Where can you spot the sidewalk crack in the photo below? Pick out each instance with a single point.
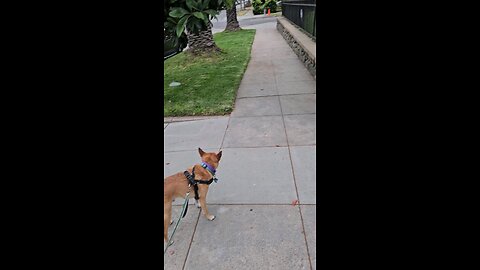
(191, 240)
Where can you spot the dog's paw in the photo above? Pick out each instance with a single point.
(171, 222)
(211, 217)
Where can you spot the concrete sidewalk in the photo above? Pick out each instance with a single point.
(269, 151)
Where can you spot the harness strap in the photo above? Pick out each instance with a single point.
(195, 188)
(194, 183)
(204, 182)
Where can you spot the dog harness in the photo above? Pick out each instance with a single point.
(193, 182)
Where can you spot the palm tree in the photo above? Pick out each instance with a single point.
(232, 22)
(202, 41)
(194, 17)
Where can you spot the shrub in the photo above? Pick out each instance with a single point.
(271, 4)
(257, 7)
(260, 5)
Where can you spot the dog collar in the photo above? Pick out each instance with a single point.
(209, 168)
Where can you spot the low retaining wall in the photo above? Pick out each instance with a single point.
(302, 45)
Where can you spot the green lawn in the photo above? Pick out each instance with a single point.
(209, 84)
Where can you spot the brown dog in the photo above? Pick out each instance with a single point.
(176, 186)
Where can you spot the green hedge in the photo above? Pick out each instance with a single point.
(259, 5)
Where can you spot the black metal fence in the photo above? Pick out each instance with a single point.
(301, 13)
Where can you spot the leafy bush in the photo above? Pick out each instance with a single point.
(257, 7)
(191, 15)
(260, 5)
(270, 4)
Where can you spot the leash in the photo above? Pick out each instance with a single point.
(182, 214)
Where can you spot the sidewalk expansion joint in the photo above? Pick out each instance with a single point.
(251, 116)
(279, 95)
(295, 181)
(260, 204)
(191, 240)
(190, 150)
(241, 147)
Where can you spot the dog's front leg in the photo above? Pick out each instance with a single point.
(203, 203)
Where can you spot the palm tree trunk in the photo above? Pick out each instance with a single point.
(202, 42)
(232, 22)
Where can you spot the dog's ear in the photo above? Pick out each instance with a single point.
(200, 151)
(219, 155)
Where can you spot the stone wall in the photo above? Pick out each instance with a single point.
(307, 60)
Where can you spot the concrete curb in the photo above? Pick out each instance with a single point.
(168, 120)
(302, 45)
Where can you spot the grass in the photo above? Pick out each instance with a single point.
(208, 84)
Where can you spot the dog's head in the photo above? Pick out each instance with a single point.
(211, 158)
